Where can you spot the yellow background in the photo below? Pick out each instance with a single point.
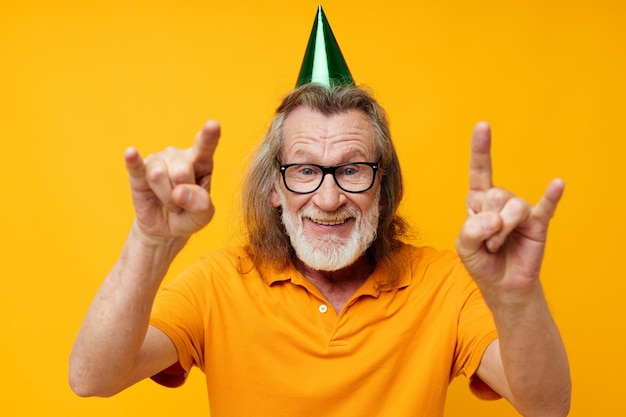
(81, 81)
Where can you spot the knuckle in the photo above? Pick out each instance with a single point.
(472, 229)
(180, 173)
(519, 204)
(155, 172)
(498, 195)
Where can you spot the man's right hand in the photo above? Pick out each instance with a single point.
(116, 345)
(170, 189)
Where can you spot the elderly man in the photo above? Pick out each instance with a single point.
(325, 311)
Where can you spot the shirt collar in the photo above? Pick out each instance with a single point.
(370, 287)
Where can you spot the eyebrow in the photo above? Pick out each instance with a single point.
(353, 155)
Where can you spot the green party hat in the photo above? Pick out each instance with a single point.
(323, 62)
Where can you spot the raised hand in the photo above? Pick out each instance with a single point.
(171, 189)
(503, 239)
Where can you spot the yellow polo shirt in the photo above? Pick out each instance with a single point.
(271, 345)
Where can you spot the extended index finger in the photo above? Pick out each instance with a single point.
(136, 169)
(205, 145)
(481, 174)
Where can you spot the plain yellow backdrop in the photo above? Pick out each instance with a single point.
(80, 81)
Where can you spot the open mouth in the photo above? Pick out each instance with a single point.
(324, 222)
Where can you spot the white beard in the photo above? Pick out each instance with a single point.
(330, 252)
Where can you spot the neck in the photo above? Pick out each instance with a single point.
(338, 286)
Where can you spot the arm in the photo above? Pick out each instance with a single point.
(116, 347)
(502, 245)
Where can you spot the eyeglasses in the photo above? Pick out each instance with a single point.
(353, 177)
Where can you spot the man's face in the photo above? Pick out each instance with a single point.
(328, 228)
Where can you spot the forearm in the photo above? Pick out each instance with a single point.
(116, 324)
(533, 355)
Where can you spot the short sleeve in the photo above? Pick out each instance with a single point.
(180, 311)
(476, 331)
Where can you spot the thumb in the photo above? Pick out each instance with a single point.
(195, 200)
(475, 231)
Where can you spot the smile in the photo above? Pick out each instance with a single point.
(328, 222)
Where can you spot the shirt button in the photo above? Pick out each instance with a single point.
(323, 308)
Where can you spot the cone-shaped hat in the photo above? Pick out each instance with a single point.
(323, 62)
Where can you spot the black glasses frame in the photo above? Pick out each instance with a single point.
(328, 170)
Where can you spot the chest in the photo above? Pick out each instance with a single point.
(295, 346)
(335, 323)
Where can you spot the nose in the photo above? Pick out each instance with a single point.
(329, 197)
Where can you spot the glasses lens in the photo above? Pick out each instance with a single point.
(303, 178)
(354, 177)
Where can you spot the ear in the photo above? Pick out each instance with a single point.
(274, 198)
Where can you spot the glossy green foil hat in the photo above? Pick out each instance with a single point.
(323, 62)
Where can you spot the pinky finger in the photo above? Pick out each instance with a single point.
(547, 205)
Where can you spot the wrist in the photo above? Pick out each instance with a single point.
(150, 256)
(155, 242)
(515, 300)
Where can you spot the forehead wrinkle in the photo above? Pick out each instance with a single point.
(338, 137)
(348, 150)
(350, 154)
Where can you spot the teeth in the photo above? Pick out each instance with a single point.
(328, 222)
